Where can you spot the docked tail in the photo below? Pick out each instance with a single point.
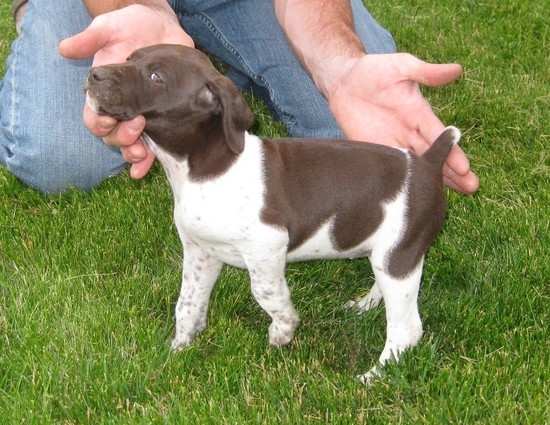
(437, 153)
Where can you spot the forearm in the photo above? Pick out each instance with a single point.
(322, 35)
(98, 7)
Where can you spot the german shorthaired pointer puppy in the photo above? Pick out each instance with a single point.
(260, 203)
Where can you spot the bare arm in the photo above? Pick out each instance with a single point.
(322, 35)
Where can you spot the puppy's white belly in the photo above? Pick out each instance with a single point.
(320, 246)
(233, 244)
(317, 247)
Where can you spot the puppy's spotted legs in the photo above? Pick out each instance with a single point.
(200, 272)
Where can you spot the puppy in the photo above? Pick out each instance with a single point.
(259, 203)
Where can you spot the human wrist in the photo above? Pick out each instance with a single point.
(329, 73)
(322, 35)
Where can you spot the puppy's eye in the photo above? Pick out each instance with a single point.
(156, 78)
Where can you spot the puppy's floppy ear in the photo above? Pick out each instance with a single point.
(236, 116)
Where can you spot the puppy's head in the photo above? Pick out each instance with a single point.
(186, 102)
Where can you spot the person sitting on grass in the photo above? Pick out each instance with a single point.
(325, 68)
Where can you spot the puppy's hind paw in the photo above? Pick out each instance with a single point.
(362, 305)
(368, 379)
(281, 334)
(367, 302)
(350, 304)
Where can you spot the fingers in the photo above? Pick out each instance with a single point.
(458, 162)
(436, 75)
(140, 156)
(114, 133)
(140, 169)
(457, 173)
(135, 153)
(125, 135)
(99, 125)
(468, 183)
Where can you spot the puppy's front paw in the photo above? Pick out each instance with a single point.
(179, 344)
(281, 334)
(280, 339)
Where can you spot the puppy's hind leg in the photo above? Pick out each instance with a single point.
(403, 324)
(367, 302)
(270, 289)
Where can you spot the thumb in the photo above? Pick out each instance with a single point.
(436, 75)
(85, 44)
(433, 75)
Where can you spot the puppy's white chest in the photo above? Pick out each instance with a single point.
(222, 215)
(211, 213)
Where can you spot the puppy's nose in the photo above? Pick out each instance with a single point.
(99, 74)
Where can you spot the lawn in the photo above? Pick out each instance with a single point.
(88, 282)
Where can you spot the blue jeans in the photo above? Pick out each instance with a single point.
(43, 140)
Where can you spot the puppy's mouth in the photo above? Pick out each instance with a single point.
(95, 105)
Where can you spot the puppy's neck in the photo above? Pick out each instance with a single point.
(177, 170)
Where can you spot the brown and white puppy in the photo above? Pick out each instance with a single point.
(260, 203)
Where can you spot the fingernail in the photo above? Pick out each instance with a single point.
(135, 126)
(106, 124)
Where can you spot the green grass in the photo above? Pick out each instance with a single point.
(89, 281)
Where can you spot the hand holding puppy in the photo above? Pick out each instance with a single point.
(111, 38)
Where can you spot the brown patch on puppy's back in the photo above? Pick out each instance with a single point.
(308, 183)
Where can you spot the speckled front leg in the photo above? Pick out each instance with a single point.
(200, 272)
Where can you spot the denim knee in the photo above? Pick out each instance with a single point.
(43, 140)
(56, 165)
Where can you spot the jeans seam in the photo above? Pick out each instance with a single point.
(13, 112)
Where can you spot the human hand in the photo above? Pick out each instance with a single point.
(111, 38)
(377, 99)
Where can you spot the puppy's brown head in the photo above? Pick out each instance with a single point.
(187, 104)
